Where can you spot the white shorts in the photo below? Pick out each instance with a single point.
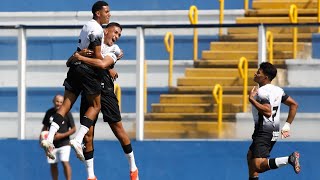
(62, 154)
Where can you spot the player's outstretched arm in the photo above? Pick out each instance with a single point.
(293, 106)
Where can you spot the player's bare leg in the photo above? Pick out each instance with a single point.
(122, 136)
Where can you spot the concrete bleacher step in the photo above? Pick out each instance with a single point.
(194, 108)
(236, 54)
(206, 81)
(216, 72)
(206, 89)
(198, 99)
(275, 30)
(252, 63)
(253, 46)
(186, 130)
(287, 37)
(211, 117)
(279, 12)
(284, 4)
(273, 20)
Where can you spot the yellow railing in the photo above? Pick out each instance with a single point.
(145, 96)
(117, 91)
(243, 71)
(169, 43)
(217, 95)
(193, 18)
(221, 15)
(246, 5)
(319, 15)
(270, 45)
(293, 14)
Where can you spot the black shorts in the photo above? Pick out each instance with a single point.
(109, 107)
(81, 78)
(261, 147)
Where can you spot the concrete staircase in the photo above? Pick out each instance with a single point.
(189, 110)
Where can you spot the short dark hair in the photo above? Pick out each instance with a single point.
(114, 24)
(98, 6)
(269, 70)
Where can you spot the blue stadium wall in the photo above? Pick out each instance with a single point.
(39, 99)
(160, 160)
(123, 5)
(60, 48)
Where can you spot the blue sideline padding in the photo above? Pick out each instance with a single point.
(61, 48)
(123, 5)
(159, 160)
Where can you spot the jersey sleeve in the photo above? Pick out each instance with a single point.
(284, 97)
(46, 119)
(95, 39)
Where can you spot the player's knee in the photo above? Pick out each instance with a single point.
(88, 138)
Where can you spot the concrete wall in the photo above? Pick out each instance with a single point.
(159, 160)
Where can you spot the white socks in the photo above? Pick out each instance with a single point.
(81, 133)
(282, 161)
(52, 131)
(132, 163)
(90, 169)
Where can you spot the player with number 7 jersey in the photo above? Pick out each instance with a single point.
(266, 102)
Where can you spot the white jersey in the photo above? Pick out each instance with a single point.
(273, 95)
(112, 51)
(91, 35)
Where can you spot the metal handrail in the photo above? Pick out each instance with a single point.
(293, 15)
(246, 5)
(145, 95)
(269, 37)
(217, 95)
(117, 91)
(221, 15)
(243, 71)
(193, 18)
(319, 15)
(169, 43)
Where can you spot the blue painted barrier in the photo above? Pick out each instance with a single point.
(124, 5)
(315, 45)
(60, 48)
(158, 160)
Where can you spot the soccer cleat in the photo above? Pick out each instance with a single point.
(48, 148)
(134, 175)
(77, 148)
(294, 161)
(95, 178)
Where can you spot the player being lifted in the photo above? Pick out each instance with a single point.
(82, 78)
(109, 102)
(266, 101)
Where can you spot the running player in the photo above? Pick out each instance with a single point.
(82, 78)
(266, 101)
(109, 103)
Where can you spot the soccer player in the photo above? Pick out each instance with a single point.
(266, 101)
(82, 78)
(109, 104)
(61, 139)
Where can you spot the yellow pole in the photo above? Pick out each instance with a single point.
(169, 44)
(193, 18)
(318, 15)
(293, 13)
(117, 91)
(217, 94)
(221, 15)
(243, 71)
(270, 45)
(246, 5)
